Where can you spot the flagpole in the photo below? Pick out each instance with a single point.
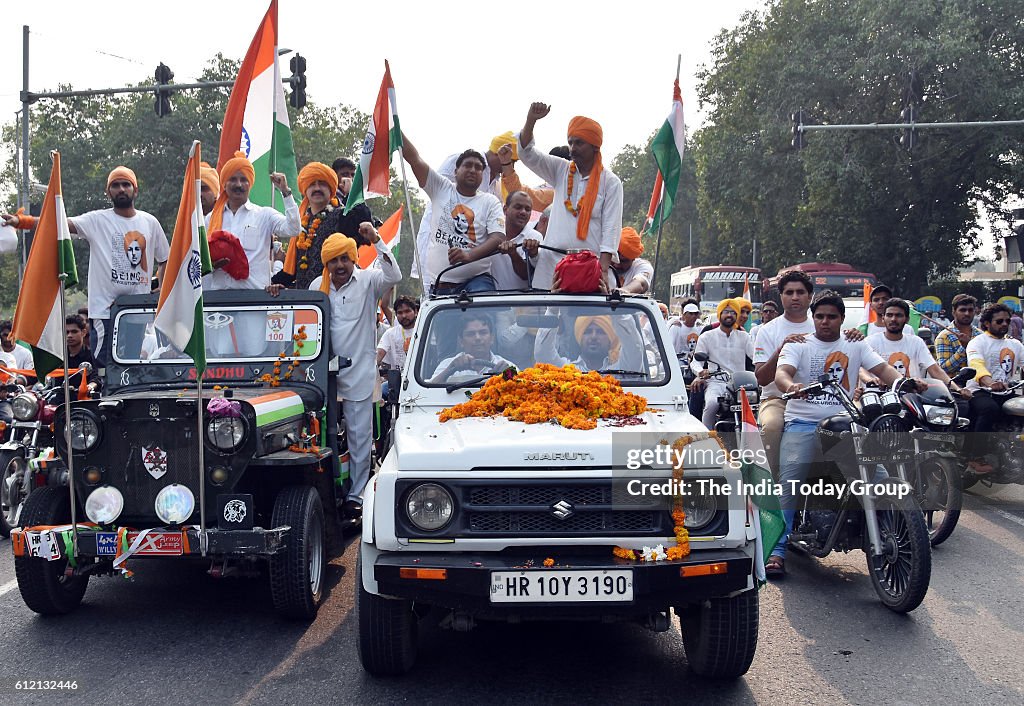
(412, 224)
(203, 539)
(273, 125)
(661, 204)
(67, 425)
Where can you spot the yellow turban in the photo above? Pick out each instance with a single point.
(312, 172)
(630, 245)
(587, 130)
(235, 164)
(741, 303)
(208, 175)
(728, 304)
(122, 173)
(505, 138)
(605, 324)
(336, 245)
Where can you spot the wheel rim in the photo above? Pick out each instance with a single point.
(893, 568)
(316, 556)
(933, 496)
(11, 496)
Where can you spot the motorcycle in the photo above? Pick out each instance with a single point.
(852, 511)
(730, 410)
(933, 469)
(26, 458)
(1004, 451)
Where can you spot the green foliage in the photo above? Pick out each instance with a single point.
(859, 197)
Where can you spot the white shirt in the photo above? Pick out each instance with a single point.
(395, 344)
(119, 264)
(813, 358)
(631, 350)
(684, 337)
(459, 221)
(254, 226)
(729, 351)
(22, 357)
(640, 269)
(1000, 356)
(354, 322)
(498, 364)
(909, 355)
(769, 339)
(605, 226)
(505, 277)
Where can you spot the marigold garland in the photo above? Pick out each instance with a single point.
(574, 210)
(547, 393)
(274, 379)
(304, 240)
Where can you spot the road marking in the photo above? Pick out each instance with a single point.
(1002, 513)
(8, 587)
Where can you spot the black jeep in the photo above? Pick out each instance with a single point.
(256, 476)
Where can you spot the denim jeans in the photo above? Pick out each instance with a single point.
(480, 283)
(798, 452)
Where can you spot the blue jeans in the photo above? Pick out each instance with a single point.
(798, 451)
(480, 283)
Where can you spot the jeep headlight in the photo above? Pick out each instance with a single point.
(104, 505)
(25, 406)
(226, 433)
(939, 416)
(85, 431)
(429, 506)
(700, 508)
(174, 504)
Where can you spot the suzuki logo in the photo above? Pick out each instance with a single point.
(562, 509)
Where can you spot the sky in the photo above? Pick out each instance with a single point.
(463, 71)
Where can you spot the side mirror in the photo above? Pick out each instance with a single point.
(394, 378)
(701, 357)
(964, 375)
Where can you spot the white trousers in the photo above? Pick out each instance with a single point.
(712, 391)
(359, 432)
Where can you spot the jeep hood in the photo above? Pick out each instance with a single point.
(423, 443)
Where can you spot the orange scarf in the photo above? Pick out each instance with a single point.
(589, 198)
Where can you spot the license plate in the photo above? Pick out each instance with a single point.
(158, 544)
(602, 585)
(106, 543)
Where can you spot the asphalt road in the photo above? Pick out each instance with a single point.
(173, 635)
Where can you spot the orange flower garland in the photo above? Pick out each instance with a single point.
(304, 240)
(547, 393)
(275, 378)
(574, 210)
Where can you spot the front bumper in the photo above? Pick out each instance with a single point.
(466, 587)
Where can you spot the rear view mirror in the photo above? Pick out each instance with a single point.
(701, 357)
(537, 321)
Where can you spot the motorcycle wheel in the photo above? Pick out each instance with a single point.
(900, 575)
(940, 496)
(13, 466)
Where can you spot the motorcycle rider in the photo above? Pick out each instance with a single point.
(951, 342)
(996, 357)
(826, 351)
(729, 347)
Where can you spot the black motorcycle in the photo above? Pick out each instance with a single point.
(730, 409)
(850, 511)
(1004, 449)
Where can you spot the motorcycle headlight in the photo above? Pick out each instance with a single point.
(429, 507)
(940, 416)
(104, 505)
(174, 504)
(699, 508)
(226, 433)
(85, 431)
(25, 406)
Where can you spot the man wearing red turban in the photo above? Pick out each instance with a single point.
(253, 225)
(587, 209)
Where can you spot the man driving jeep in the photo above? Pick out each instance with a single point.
(476, 358)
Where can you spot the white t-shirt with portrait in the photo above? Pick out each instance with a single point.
(841, 359)
(459, 221)
(769, 337)
(123, 255)
(1000, 356)
(684, 338)
(909, 355)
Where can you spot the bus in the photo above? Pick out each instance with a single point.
(711, 284)
(837, 276)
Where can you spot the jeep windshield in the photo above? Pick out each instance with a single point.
(463, 347)
(234, 334)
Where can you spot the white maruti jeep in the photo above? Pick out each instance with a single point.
(485, 518)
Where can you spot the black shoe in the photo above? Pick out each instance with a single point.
(352, 508)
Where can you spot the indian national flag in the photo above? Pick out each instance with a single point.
(373, 173)
(38, 319)
(256, 120)
(668, 148)
(765, 510)
(390, 233)
(179, 313)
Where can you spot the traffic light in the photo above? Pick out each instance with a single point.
(798, 135)
(163, 96)
(909, 137)
(298, 81)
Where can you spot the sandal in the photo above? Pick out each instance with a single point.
(775, 567)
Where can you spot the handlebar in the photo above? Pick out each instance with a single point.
(437, 280)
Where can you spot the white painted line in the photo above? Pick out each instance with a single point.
(8, 587)
(1002, 513)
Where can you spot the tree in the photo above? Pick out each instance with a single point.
(860, 197)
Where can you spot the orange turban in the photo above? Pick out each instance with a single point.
(235, 164)
(208, 175)
(316, 171)
(589, 131)
(630, 245)
(728, 304)
(605, 324)
(336, 245)
(122, 173)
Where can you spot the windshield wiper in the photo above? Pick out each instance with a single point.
(612, 371)
(469, 383)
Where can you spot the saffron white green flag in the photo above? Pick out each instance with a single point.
(373, 173)
(179, 313)
(668, 148)
(765, 510)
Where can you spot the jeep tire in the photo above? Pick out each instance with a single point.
(720, 635)
(297, 572)
(388, 630)
(43, 585)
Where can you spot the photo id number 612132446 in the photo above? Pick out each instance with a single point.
(554, 586)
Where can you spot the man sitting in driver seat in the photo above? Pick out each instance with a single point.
(476, 358)
(600, 344)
